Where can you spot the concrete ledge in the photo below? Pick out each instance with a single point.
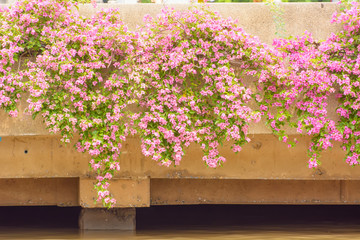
(198, 191)
(265, 157)
(39, 192)
(66, 192)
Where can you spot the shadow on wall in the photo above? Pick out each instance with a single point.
(244, 216)
(192, 216)
(43, 217)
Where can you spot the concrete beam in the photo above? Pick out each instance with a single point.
(263, 158)
(39, 192)
(127, 192)
(143, 193)
(108, 219)
(186, 191)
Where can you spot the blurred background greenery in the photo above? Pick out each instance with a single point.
(210, 1)
(239, 1)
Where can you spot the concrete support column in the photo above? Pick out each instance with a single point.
(108, 219)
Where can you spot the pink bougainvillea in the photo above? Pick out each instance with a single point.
(182, 78)
(299, 90)
(188, 86)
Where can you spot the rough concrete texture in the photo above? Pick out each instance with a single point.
(255, 18)
(127, 192)
(206, 191)
(39, 192)
(131, 193)
(23, 125)
(41, 156)
(104, 219)
(265, 157)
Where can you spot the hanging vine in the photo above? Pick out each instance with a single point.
(179, 80)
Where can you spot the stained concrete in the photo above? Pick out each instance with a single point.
(254, 18)
(67, 192)
(212, 191)
(133, 192)
(61, 192)
(265, 157)
(108, 219)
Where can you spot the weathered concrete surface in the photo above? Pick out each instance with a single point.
(145, 192)
(23, 125)
(42, 156)
(39, 192)
(255, 18)
(103, 219)
(263, 158)
(127, 192)
(190, 191)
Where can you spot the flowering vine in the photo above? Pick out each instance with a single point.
(180, 79)
(188, 86)
(312, 72)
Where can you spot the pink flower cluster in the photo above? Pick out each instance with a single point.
(189, 89)
(298, 88)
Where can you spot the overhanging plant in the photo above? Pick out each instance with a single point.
(176, 81)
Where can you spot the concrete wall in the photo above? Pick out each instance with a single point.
(36, 169)
(255, 18)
